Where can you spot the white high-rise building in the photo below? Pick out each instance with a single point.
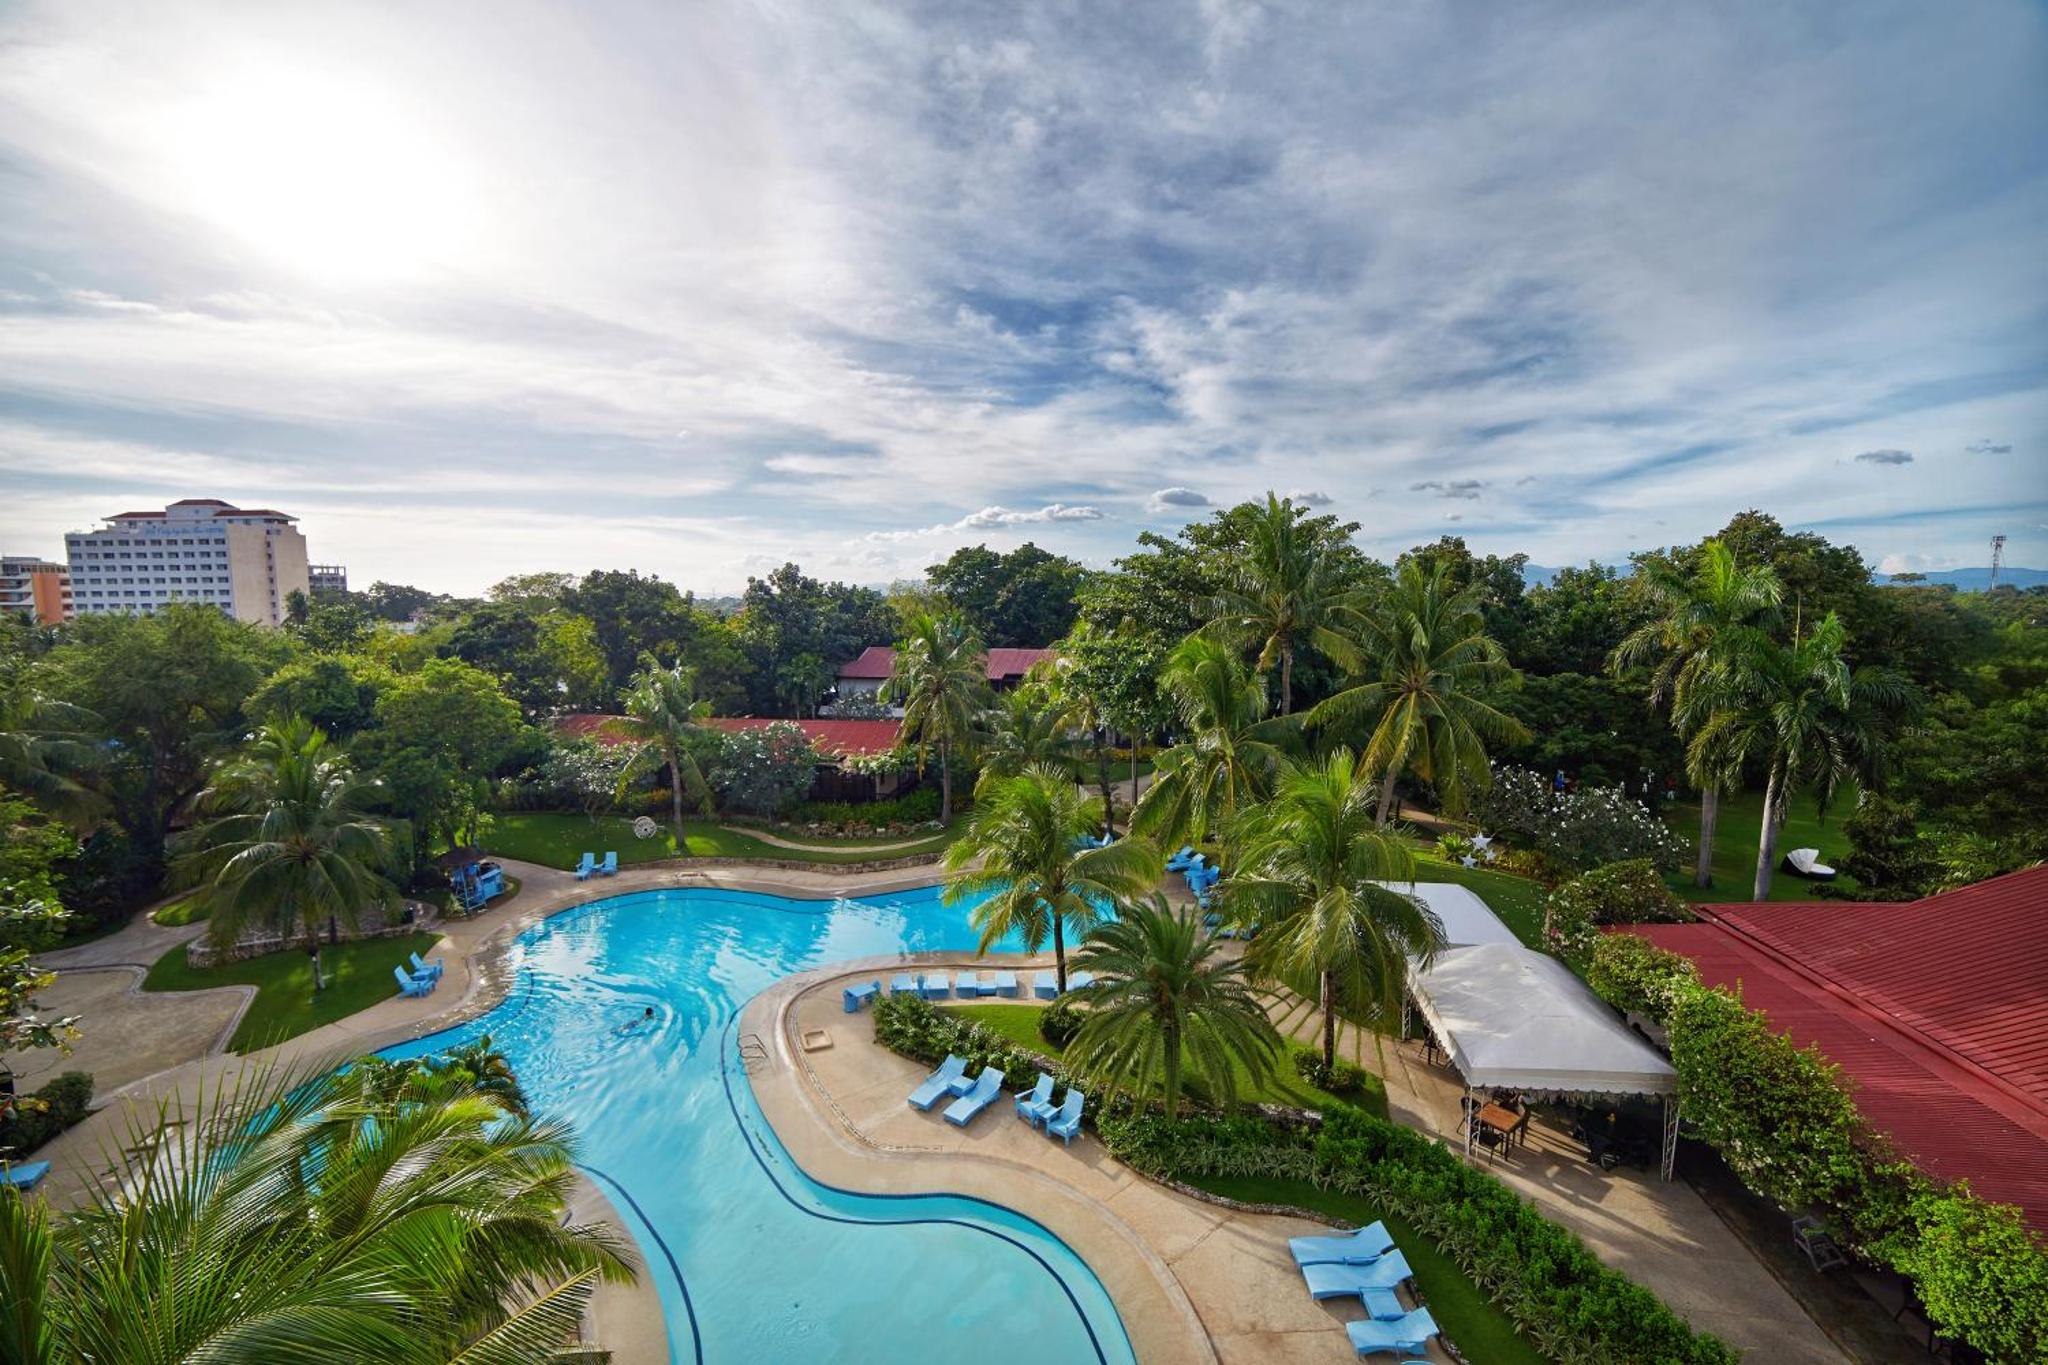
(246, 561)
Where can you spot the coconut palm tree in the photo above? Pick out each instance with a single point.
(51, 751)
(1800, 712)
(1283, 595)
(1706, 623)
(1308, 877)
(1427, 663)
(1026, 849)
(662, 716)
(1028, 729)
(289, 1217)
(1232, 751)
(941, 680)
(287, 843)
(1166, 1001)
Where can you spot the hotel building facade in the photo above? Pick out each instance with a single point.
(35, 588)
(245, 561)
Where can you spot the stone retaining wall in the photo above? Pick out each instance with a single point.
(203, 952)
(795, 864)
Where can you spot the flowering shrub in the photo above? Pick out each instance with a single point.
(1584, 829)
(762, 771)
(583, 773)
(1620, 893)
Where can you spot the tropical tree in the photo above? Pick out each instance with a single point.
(1232, 752)
(1286, 592)
(1708, 622)
(941, 681)
(1028, 728)
(1425, 662)
(662, 717)
(1027, 848)
(1310, 870)
(1798, 711)
(287, 843)
(1166, 1001)
(298, 1217)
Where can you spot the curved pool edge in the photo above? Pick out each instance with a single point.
(1158, 1319)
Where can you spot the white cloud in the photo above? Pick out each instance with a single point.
(1310, 498)
(1886, 456)
(1167, 500)
(1004, 516)
(1449, 488)
(1915, 563)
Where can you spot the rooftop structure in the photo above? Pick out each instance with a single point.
(36, 588)
(327, 577)
(861, 678)
(1936, 1011)
(246, 561)
(831, 738)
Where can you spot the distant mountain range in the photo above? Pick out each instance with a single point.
(1967, 580)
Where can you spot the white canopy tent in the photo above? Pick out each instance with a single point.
(1466, 918)
(1513, 1019)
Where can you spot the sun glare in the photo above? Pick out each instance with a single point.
(329, 180)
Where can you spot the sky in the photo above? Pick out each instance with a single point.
(484, 288)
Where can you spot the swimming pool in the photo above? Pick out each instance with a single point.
(755, 1261)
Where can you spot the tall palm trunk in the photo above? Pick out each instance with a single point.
(1102, 781)
(1287, 680)
(1710, 815)
(1134, 772)
(1328, 1001)
(1387, 795)
(945, 783)
(1767, 836)
(1059, 952)
(675, 793)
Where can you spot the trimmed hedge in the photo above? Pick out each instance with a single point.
(36, 1119)
(1574, 1308)
(924, 1033)
(1785, 1124)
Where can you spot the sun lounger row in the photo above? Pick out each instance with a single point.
(951, 1079)
(590, 865)
(1366, 1265)
(975, 985)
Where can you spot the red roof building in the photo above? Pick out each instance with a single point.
(1936, 1011)
(831, 738)
(877, 662)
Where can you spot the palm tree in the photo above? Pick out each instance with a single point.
(1285, 593)
(1232, 752)
(1163, 999)
(1026, 848)
(50, 751)
(288, 845)
(662, 716)
(1309, 874)
(290, 1217)
(1705, 622)
(1800, 711)
(1427, 661)
(1029, 729)
(941, 679)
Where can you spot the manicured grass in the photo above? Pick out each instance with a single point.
(185, 910)
(1019, 1023)
(1482, 1332)
(1517, 900)
(1735, 836)
(358, 976)
(557, 839)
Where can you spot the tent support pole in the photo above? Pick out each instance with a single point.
(1670, 1135)
(1470, 1122)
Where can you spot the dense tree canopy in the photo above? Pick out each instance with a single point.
(1025, 599)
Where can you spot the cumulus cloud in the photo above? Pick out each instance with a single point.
(1449, 488)
(1170, 499)
(1885, 457)
(1987, 448)
(1309, 497)
(1914, 563)
(1005, 516)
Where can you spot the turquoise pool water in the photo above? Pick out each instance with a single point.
(755, 1261)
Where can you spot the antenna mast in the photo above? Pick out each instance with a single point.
(1997, 559)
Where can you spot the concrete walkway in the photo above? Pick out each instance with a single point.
(765, 837)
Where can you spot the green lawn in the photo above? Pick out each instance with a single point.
(1482, 1332)
(185, 910)
(358, 976)
(1735, 835)
(556, 839)
(1019, 1023)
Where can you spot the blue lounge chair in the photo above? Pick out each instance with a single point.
(430, 970)
(1362, 1247)
(1006, 984)
(856, 996)
(26, 1176)
(1331, 1280)
(903, 983)
(1408, 1336)
(968, 985)
(986, 1087)
(586, 867)
(610, 866)
(1045, 985)
(937, 986)
(413, 985)
(1180, 860)
(1066, 1121)
(940, 1083)
(1034, 1104)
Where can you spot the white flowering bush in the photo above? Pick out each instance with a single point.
(580, 773)
(1588, 828)
(762, 771)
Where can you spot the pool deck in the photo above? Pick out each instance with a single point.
(1194, 1281)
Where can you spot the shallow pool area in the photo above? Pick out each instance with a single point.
(754, 1260)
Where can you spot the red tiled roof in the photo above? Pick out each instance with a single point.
(879, 661)
(589, 725)
(833, 738)
(1935, 1010)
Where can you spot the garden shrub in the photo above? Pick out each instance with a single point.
(1583, 829)
(1631, 892)
(32, 1122)
(918, 1030)
(763, 771)
(1636, 976)
(913, 808)
(1343, 1079)
(1058, 1023)
(1886, 855)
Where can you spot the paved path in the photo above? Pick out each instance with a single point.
(767, 838)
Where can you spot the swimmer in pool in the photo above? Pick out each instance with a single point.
(631, 1024)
